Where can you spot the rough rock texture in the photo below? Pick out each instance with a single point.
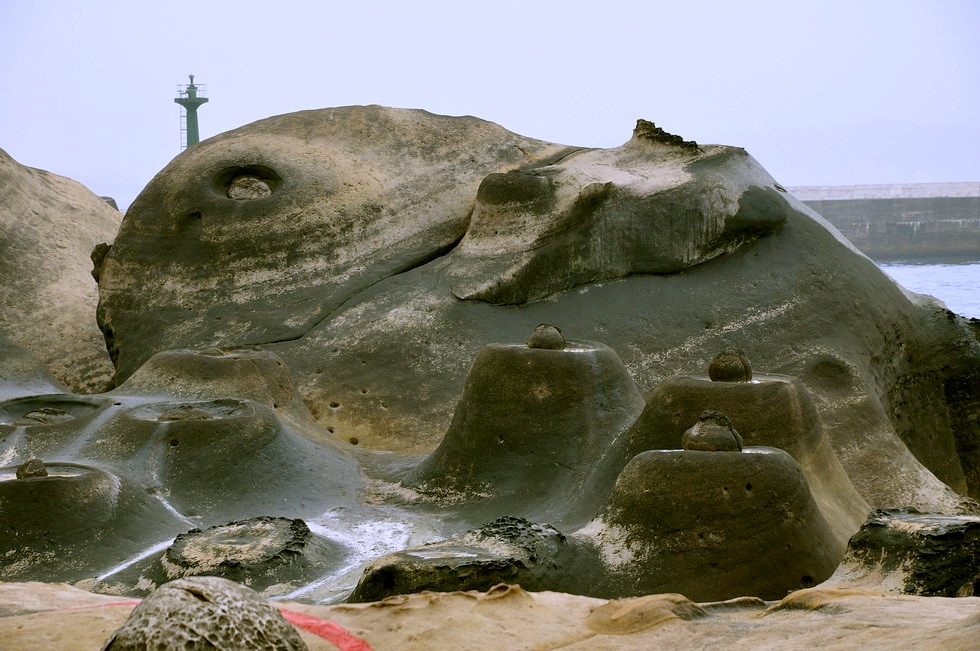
(48, 226)
(376, 252)
(705, 523)
(712, 433)
(272, 556)
(22, 373)
(702, 522)
(349, 271)
(654, 205)
(903, 551)
(165, 453)
(205, 613)
(507, 550)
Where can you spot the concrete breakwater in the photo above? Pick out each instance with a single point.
(912, 220)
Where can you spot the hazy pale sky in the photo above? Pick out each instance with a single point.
(830, 92)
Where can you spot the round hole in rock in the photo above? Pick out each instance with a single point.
(246, 182)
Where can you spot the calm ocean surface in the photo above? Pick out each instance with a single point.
(956, 284)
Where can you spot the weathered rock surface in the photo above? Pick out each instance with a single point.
(712, 433)
(22, 373)
(902, 551)
(509, 617)
(164, 453)
(376, 252)
(348, 197)
(777, 411)
(205, 613)
(272, 556)
(72, 521)
(592, 234)
(702, 522)
(507, 550)
(654, 205)
(49, 225)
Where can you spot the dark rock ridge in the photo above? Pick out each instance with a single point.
(351, 272)
(205, 613)
(903, 551)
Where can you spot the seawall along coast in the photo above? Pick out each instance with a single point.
(912, 220)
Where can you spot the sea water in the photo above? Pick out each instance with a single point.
(957, 284)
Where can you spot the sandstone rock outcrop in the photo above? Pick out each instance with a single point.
(49, 225)
(391, 302)
(326, 315)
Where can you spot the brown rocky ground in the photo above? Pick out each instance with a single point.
(57, 616)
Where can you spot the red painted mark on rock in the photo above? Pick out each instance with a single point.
(335, 634)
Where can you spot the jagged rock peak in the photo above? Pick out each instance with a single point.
(646, 130)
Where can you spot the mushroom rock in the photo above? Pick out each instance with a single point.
(712, 433)
(350, 271)
(696, 522)
(257, 235)
(49, 426)
(538, 432)
(49, 224)
(730, 366)
(226, 458)
(709, 524)
(205, 612)
(778, 411)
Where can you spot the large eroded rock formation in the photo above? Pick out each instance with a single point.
(326, 315)
(389, 246)
(49, 226)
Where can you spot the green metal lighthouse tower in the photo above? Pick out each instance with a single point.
(191, 97)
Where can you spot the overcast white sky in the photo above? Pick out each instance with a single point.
(830, 92)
